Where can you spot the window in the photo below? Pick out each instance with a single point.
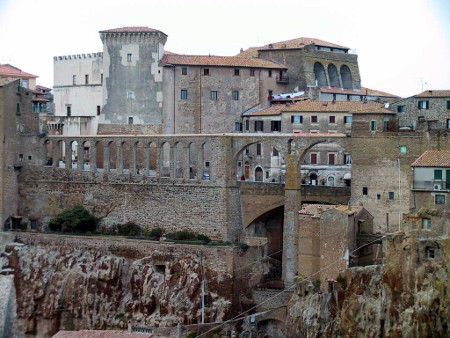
(252, 72)
(101, 78)
(237, 126)
(247, 151)
(33, 224)
(206, 71)
(239, 163)
(74, 80)
(214, 95)
(247, 125)
(378, 197)
(430, 253)
(391, 195)
(235, 95)
(236, 72)
(29, 157)
(347, 119)
(426, 224)
(403, 150)
(98, 110)
(259, 125)
(207, 164)
(130, 120)
(274, 152)
(130, 95)
(184, 71)
(373, 125)
(270, 73)
(184, 94)
(439, 199)
(275, 125)
(365, 191)
(128, 57)
(21, 128)
(448, 104)
(332, 119)
(314, 119)
(18, 108)
(331, 158)
(347, 159)
(423, 105)
(258, 149)
(20, 157)
(401, 109)
(313, 158)
(438, 174)
(448, 123)
(86, 79)
(296, 119)
(69, 110)
(25, 83)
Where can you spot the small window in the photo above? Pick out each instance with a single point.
(267, 174)
(207, 164)
(275, 125)
(423, 105)
(33, 224)
(401, 109)
(98, 110)
(184, 71)
(214, 95)
(239, 163)
(313, 158)
(86, 79)
(373, 125)
(348, 119)
(270, 73)
(378, 197)
(247, 125)
(18, 108)
(206, 71)
(259, 125)
(297, 119)
(391, 195)
(365, 191)
(274, 152)
(448, 123)
(439, 199)
(438, 174)
(21, 128)
(252, 72)
(128, 57)
(258, 149)
(184, 94)
(314, 119)
(236, 72)
(235, 95)
(130, 96)
(347, 159)
(332, 119)
(237, 126)
(448, 104)
(130, 120)
(430, 253)
(331, 158)
(426, 224)
(69, 110)
(101, 78)
(25, 83)
(403, 149)
(30, 157)
(20, 157)
(74, 80)
(247, 151)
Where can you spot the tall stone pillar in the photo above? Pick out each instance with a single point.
(93, 156)
(80, 158)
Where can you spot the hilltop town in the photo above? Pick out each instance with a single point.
(165, 194)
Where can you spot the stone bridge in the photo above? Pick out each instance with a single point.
(162, 181)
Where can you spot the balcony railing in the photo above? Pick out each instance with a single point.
(432, 185)
(283, 79)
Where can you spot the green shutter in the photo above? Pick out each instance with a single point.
(437, 174)
(448, 179)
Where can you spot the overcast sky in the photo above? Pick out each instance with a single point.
(398, 42)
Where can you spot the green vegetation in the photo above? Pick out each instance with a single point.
(77, 219)
(154, 233)
(244, 247)
(187, 236)
(129, 229)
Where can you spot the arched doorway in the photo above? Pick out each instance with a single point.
(259, 174)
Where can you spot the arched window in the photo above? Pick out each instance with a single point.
(346, 76)
(319, 72)
(333, 75)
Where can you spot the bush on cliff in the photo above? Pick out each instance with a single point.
(129, 229)
(77, 219)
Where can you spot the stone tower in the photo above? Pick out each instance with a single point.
(132, 80)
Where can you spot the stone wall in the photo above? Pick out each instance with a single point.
(8, 322)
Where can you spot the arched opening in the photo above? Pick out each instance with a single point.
(165, 160)
(111, 154)
(100, 155)
(333, 75)
(206, 164)
(346, 77)
(86, 157)
(259, 174)
(48, 153)
(74, 155)
(319, 72)
(179, 160)
(193, 161)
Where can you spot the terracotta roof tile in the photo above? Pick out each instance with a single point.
(40, 99)
(434, 93)
(8, 70)
(99, 334)
(363, 91)
(337, 106)
(433, 158)
(131, 30)
(39, 87)
(298, 43)
(221, 61)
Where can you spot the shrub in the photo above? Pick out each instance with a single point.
(155, 233)
(204, 238)
(183, 235)
(192, 335)
(129, 229)
(77, 219)
(244, 247)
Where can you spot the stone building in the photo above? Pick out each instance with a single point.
(430, 105)
(9, 73)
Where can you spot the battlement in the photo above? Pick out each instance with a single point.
(79, 56)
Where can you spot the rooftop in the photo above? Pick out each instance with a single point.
(433, 158)
(363, 91)
(220, 61)
(8, 70)
(99, 334)
(141, 29)
(316, 210)
(433, 93)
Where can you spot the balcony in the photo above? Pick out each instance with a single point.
(432, 185)
(283, 79)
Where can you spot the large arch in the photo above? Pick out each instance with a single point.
(333, 75)
(320, 75)
(346, 76)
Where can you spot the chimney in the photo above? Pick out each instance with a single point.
(242, 49)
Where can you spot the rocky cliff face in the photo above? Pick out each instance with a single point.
(407, 297)
(74, 283)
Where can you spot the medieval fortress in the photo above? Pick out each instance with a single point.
(279, 147)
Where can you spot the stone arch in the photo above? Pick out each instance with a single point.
(346, 77)
(165, 159)
(333, 75)
(206, 163)
(320, 75)
(48, 152)
(85, 157)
